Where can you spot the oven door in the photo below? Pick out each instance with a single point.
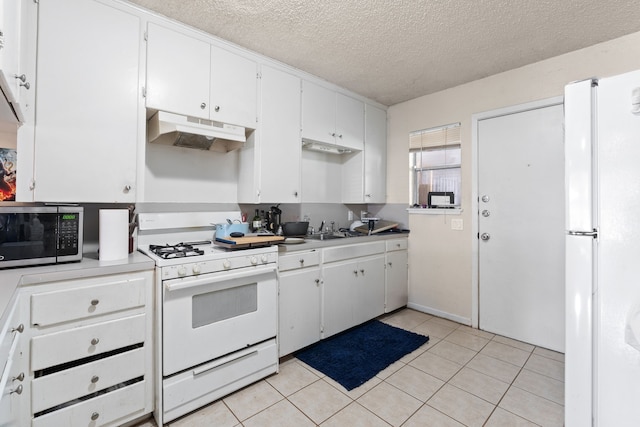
(208, 316)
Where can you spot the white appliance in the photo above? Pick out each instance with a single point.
(602, 156)
(216, 311)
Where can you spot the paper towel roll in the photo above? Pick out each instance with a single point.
(114, 234)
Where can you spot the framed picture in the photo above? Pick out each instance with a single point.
(8, 165)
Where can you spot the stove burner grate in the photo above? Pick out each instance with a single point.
(179, 250)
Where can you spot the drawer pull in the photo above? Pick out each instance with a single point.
(95, 416)
(301, 261)
(17, 390)
(20, 377)
(355, 272)
(95, 341)
(95, 302)
(95, 379)
(362, 270)
(19, 328)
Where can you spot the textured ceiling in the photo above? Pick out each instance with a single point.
(395, 50)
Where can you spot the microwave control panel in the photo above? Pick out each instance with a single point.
(68, 232)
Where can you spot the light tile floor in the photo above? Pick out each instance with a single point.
(461, 377)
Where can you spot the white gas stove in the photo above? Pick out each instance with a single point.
(182, 245)
(216, 310)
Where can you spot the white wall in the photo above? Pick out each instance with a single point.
(440, 259)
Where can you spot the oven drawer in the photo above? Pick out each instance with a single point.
(65, 346)
(105, 409)
(64, 386)
(298, 260)
(105, 295)
(212, 315)
(201, 385)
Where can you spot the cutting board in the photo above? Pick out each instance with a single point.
(247, 241)
(381, 225)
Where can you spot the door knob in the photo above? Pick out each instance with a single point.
(486, 213)
(485, 236)
(485, 198)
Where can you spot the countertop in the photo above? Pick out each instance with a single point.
(14, 278)
(309, 244)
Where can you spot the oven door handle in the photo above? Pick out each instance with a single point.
(211, 278)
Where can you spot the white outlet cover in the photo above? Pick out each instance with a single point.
(457, 224)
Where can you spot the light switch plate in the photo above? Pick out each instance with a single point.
(457, 224)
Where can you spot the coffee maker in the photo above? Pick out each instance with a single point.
(274, 217)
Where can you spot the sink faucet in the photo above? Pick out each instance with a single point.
(321, 229)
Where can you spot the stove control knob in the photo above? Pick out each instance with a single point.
(226, 264)
(254, 260)
(196, 269)
(264, 259)
(182, 271)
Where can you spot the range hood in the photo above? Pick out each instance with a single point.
(191, 132)
(323, 147)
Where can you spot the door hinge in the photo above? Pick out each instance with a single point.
(258, 75)
(146, 36)
(144, 92)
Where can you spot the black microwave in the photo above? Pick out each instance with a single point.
(33, 235)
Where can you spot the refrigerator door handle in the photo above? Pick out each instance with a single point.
(593, 233)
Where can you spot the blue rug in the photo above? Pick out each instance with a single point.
(357, 355)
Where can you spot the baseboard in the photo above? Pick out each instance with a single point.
(439, 313)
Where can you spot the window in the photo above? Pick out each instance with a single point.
(434, 163)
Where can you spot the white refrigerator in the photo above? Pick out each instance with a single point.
(602, 174)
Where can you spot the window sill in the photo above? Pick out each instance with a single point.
(434, 211)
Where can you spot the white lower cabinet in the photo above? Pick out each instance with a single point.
(329, 290)
(13, 373)
(299, 294)
(91, 357)
(396, 275)
(353, 293)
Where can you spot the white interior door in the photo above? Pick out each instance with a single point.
(521, 226)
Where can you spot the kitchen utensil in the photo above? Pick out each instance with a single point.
(295, 228)
(379, 226)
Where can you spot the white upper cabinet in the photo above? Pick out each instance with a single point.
(13, 78)
(270, 161)
(375, 155)
(331, 118)
(189, 76)
(88, 102)
(178, 71)
(233, 88)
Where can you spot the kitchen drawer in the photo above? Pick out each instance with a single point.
(106, 409)
(339, 253)
(72, 344)
(64, 386)
(10, 333)
(196, 387)
(396, 245)
(78, 302)
(298, 260)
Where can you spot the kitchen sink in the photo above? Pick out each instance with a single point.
(324, 237)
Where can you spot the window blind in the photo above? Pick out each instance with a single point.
(435, 137)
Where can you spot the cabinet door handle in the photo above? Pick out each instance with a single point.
(21, 77)
(17, 390)
(126, 189)
(317, 282)
(362, 271)
(95, 302)
(340, 136)
(355, 272)
(95, 379)
(203, 105)
(95, 416)
(26, 85)
(19, 328)
(95, 341)
(301, 261)
(20, 377)
(390, 264)
(217, 108)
